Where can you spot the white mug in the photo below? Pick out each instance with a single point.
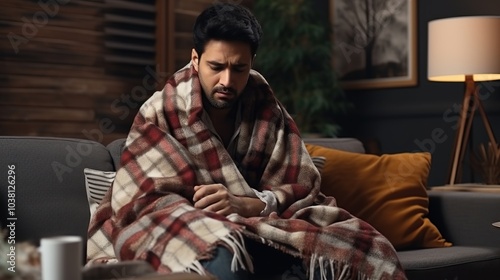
(61, 258)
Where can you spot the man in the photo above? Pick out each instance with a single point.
(215, 178)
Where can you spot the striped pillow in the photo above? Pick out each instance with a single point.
(97, 183)
(319, 162)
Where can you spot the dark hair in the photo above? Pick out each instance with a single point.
(229, 22)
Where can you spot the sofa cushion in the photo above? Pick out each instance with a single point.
(466, 217)
(388, 192)
(457, 262)
(50, 190)
(115, 149)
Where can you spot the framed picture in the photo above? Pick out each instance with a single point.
(375, 43)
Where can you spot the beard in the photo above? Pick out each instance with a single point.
(222, 103)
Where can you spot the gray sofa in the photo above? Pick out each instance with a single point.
(50, 199)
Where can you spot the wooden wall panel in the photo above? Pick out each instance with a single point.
(77, 69)
(185, 17)
(68, 69)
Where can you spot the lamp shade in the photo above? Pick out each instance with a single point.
(463, 46)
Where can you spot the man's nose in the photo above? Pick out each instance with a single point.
(225, 78)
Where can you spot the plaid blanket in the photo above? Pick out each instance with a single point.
(148, 213)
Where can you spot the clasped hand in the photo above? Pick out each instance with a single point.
(216, 198)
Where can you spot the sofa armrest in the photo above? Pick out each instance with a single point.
(465, 218)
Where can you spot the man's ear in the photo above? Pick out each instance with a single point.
(253, 60)
(195, 59)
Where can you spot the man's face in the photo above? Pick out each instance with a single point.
(223, 71)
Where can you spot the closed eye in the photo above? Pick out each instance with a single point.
(217, 68)
(239, 68)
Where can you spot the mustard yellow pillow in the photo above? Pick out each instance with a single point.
(387, 191)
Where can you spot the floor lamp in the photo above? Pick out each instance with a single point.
(465, 49)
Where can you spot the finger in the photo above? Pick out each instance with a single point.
(205, 190)
(221, 207)
(201, 191)
(225, 211)
(213, 202)
(198, 193)
(206, 200)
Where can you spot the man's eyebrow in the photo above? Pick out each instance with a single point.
(215, 63)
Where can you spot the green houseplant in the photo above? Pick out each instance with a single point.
(296, 58)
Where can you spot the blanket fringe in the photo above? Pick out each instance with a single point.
(337, 270)
(196, 267)
(241, 258)
(240, 254)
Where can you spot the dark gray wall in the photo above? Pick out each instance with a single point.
(400, 118)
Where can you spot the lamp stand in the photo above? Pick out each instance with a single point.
(463, 131)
